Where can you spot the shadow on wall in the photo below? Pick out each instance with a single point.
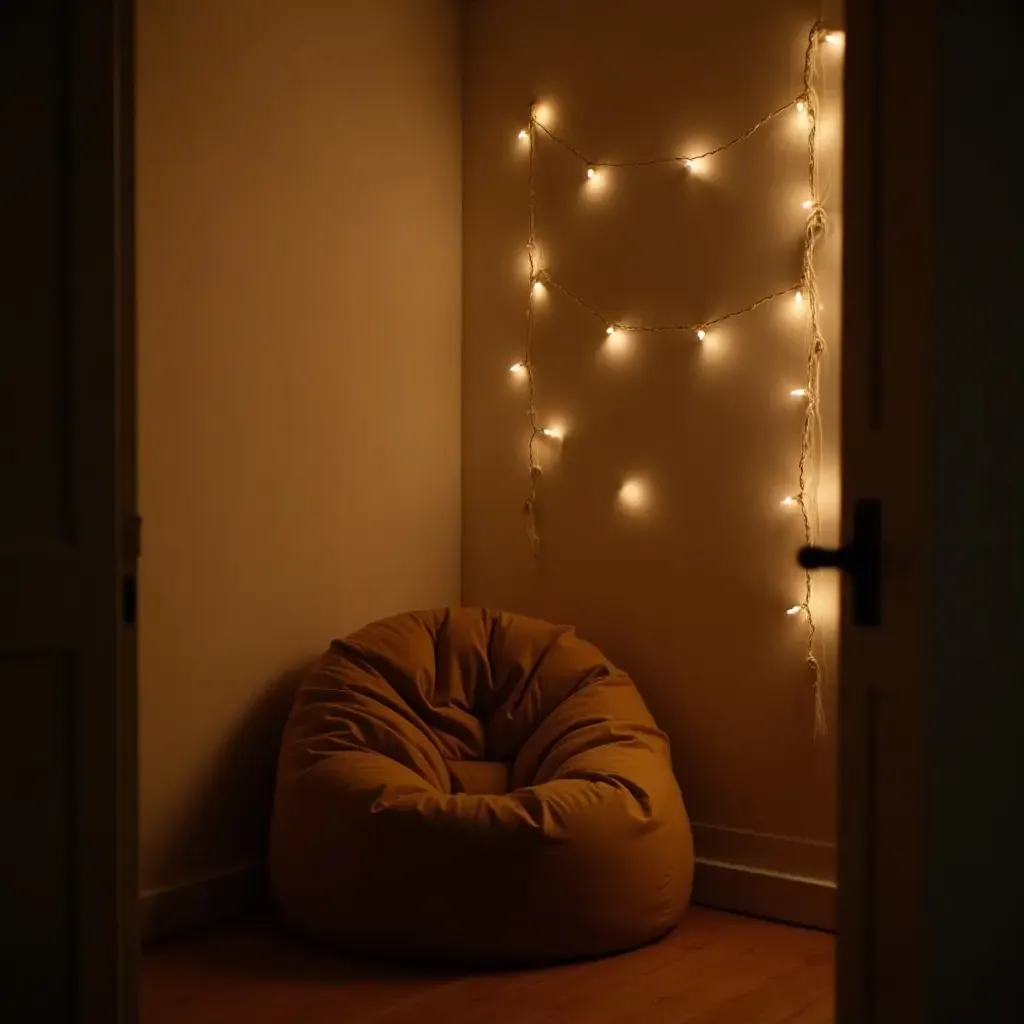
(227, 822)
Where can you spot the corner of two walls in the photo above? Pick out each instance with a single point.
(689, 593)
(299, 266)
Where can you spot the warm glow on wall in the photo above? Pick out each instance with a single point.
(633, 495)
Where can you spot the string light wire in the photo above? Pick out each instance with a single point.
(655, 161)
(817, 221)
(695, 328)
(530, 505)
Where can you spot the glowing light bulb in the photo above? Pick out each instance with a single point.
(633, 495)
(555, 433)
(787, 501)
(795, 610)
(798, 393)
(701, 334)
(618, 344)
(694, 166)
(538, 287)
(799, 298)
(543, 114)
(801, 107)
(835, 38)
(523, 134)
(591, 172)
(517, 368)
(807, 204)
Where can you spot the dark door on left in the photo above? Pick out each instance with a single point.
(67, 538)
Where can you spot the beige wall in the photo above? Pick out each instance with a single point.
(299, 341)
(689, 595)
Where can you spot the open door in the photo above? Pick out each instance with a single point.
(67, 534)
(931, 836)
(895, 560)
(887, 288)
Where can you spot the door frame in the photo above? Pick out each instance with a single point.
(102, 113)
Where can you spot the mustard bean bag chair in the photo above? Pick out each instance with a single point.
(477, 787)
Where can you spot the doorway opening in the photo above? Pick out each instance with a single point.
(448, 304)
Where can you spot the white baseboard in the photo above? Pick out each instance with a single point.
(187, 905)
(794, 899)
(764, 851)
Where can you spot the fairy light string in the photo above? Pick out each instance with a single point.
(805, 291)
(656, 161)
(530, 506)
(545, 278)
(817, 221)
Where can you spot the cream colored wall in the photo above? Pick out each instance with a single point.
(299, 345)
(691, 594)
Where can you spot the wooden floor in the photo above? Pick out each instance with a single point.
(715, 969)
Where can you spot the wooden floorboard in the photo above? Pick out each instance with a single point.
(714, 969)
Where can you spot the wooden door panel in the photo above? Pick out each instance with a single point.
(35, 206)
(37, 808)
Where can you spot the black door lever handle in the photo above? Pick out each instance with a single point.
(861, 560)
(828, 558)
